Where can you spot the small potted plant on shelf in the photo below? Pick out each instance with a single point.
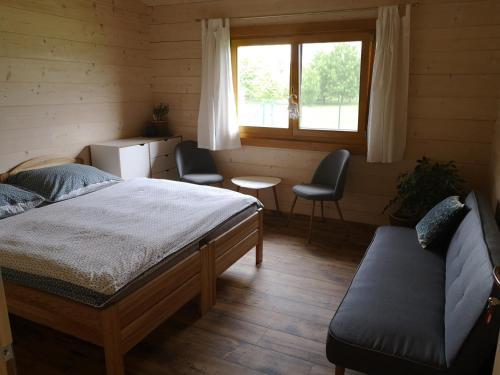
(158, 127)
(160, 112)
(421, 189)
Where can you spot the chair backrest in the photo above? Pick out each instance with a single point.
(332, 171)
(472, 254)
(191, 159)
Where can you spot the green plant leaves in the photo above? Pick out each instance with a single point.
(424, 187)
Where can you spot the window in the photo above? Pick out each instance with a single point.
(324, 68)
(264, 85)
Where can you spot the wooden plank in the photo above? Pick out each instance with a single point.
(453, 108)
(450, 130)
(181, 85)
(157, 289)
(38, 163)
(5, 332)
(36, 47)
(178, 101)
(456, 14)
(33, 23)
(47, 71)
(230, 239)
(100, 12)
(78, 116)
(27, 94)
(455, 85)
(176, 68)
(208, 278)
(474, 153)
(77, 319)
(152, 318)
(225, 8)
(175, 32)
(455, 62)
(176, 50)
(113, 350)
(224, 261)
(471, 38)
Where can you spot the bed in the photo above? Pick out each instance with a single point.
(122, 311)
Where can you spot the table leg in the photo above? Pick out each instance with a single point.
(276, 200)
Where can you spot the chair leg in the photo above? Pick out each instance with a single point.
(322, 212)
(340, 212)
(291, 211)
(276, 203)
(339, 370)
(311, 223)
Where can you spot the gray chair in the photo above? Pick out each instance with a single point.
(327, 184)
(196, 165)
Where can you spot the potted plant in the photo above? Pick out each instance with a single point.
(158, 127)
(421, 189)
(160, 112)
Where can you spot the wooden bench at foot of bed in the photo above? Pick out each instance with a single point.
(117, 328)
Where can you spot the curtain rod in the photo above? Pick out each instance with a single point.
(413, 4)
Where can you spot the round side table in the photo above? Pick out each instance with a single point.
(257, 183)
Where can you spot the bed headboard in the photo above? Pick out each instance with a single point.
(37, 163)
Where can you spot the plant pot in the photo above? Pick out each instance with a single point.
(157, 129)
(398, 221)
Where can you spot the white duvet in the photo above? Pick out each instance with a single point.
(103, 240)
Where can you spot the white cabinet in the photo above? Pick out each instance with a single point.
(137, 157)
(162, 158)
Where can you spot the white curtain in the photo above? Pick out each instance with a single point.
(389, 93)
(217, 122)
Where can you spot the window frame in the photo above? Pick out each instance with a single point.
(295, 35)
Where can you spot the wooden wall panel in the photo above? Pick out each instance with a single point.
(71, 73)
(454, 86)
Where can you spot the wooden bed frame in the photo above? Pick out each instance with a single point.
(120, 326)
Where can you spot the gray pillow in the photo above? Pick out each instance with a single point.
(435, 229)
(14, 201)
(63, 181)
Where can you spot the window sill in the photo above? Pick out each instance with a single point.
(295, 144)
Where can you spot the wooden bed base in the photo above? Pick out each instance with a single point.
(117, 328)
(120, 326)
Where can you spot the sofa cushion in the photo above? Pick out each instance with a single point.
(469, 279)
(439, 224)
(393, 311)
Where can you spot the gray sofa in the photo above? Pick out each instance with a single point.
(415, 311)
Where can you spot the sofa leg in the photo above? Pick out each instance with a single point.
(339, 370)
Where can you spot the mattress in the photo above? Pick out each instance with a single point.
(97, 248)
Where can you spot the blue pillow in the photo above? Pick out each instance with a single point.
(63, 181)
(14, 201)
(437, 226)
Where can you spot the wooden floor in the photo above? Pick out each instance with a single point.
(267, 320)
